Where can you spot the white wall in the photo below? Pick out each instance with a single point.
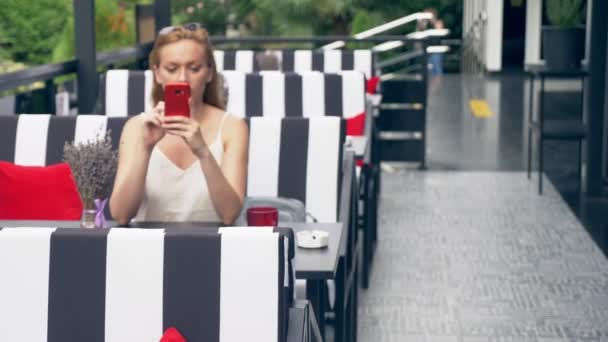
(490, 29)
(493, 49)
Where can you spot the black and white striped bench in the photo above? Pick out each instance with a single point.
(298, 60)
(306, 94)
(289, 157)
(125, 92)
(132, 284)
(38, 139)
(276, 94)
(298, 158)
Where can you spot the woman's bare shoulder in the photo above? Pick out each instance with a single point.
(131, 126)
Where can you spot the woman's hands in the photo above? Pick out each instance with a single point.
(189, 130)
(152, 129)
(155, 125)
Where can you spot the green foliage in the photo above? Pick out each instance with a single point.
(28, 29)
(564, 13)
(114, 28)
(42, 31)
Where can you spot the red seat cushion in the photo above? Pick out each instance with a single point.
(356, 125)
(38, 193)
(372, 85)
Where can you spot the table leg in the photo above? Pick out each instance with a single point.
(316, 293)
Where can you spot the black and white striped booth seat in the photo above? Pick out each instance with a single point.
(38, 139)
(289, 157)
(62, 285)
(297, 60)
(306, 94)
(125, 92)
(298, 158)
(276, 94)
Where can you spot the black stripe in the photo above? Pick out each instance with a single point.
(61, 130)
(136, 92)
(288, 61)
(340, 159)
(8, 134)
(373, 71)
(115, 126)
(283, 308)
(191, 294)
(293, 95)
(333, 95)
(318, 60)
(254, 105)
(229, 60)
(348, 60)
(256, 62)
(293, 158)
(77, 285)
(101, 98)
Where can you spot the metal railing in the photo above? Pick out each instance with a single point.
(87, 70)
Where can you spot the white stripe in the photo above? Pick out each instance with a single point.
(262, 230)
(24, 288)
(31, 139)
(363, 62)
(264, 150)
(246, 229)
(250, 290)
(313, 94)
(218, 56)
(244, 61)
(302, 60)
(117, 88)
(332, 60)
(149, 86)
(134, 284)
(273, 93)
(235, 83)
(89, 128)
(322, 168)
(279, 55)
(353, 93)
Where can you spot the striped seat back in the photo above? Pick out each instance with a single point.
(132, 284)
(297, 158)
(126, 92)
(38, 139)
(306, 94)
(297, 60)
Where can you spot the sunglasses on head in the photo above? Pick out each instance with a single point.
(188, 26)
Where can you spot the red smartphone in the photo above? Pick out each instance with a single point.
(176, 99)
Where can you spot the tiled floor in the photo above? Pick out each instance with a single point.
(479, 256)
(468, 251)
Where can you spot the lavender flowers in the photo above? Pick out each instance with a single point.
(93, 165)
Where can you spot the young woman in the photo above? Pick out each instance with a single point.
(174, 168)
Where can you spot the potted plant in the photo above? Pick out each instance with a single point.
(564, 41)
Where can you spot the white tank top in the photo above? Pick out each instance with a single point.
(175, 194)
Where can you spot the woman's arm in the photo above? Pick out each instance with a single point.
(133, 157)
(227, 183)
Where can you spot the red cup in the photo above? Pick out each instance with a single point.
(262, 216)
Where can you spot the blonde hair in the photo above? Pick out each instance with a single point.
(214, 92)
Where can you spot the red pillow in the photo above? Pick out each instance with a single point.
(356, 125)
(372, 85)
(38, 193)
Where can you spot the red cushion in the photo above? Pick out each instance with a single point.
(372, 85)
(38, 193)
(356, 125)
(172, 335)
